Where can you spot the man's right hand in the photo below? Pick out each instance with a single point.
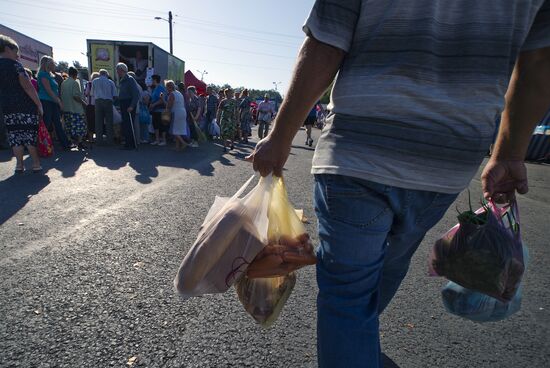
(270, 155)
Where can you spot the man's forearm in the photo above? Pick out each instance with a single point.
(527, 99)
(315, 69)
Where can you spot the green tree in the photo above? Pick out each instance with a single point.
(77, 65)
(62, 67)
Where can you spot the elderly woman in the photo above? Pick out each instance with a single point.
(194, 113)
(48, 91)
(176, 106)
(90, 106)
(227, 118)
(245, 116)
(73, 109)
(21, 105)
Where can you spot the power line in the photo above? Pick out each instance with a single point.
(240, 65)
(246, 38)
(76, 10)
(67, 28)
(235, 50)
(133, 6)
(221, 25)
(120, 9)
(82, 32)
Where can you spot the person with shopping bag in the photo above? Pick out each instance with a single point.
(387, 170)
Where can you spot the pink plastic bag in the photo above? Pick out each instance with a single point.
(482, 255)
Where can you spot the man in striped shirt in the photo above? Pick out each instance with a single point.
(418, 86)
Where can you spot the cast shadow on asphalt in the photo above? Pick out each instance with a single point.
(387, 362)
(147, 159)
(27, 184)
(67, 163)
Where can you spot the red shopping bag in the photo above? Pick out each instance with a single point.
(45, 144)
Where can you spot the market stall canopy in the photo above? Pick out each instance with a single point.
(191, 80)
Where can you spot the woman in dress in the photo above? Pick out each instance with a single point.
(21, 105)
(176, 106)
(48, 91)
(245, 116)
(194, 112)
(227, 116)
(90, 106)
(73, 108)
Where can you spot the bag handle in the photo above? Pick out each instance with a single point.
(510, 209)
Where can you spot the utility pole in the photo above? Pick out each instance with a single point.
(171, 40)
(169, 20)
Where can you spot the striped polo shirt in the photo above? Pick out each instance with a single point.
(415, 100)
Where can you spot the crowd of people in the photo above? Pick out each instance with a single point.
(78, 115)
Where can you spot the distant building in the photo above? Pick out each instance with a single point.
(31, 50)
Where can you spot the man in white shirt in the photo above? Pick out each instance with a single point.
(265, 114)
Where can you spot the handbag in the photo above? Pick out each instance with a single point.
(166, 117)
(45, 144)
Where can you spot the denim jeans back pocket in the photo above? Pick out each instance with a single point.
(357, 202)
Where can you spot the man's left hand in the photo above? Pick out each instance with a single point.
(501, 178)
(130, 109)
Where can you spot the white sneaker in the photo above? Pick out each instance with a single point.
(194, 144)
(163, 143)
(154, 143)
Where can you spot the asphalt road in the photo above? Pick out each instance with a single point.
(89, 250)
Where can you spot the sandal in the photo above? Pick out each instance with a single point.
(19, 170)
(36, 170)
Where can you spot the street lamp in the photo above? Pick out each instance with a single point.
(169, 20)
(202, 73)
(276, 97)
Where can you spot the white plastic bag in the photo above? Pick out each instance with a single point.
(232, 234)
(117, 118)
(215, 129)
(264, 298)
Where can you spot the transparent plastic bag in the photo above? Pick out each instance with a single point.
(479, 307)
(485, 256)
(232, 234)
(264, 298)
(214, 129)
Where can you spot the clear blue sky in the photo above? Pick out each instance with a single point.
(241, 42)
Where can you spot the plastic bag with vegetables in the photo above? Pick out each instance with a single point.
(232, 234)
(268, 284)
(481, 253)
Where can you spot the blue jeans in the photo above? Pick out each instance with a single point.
(368, 233)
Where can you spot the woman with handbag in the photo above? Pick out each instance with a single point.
(48, 92)
(22, 108)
